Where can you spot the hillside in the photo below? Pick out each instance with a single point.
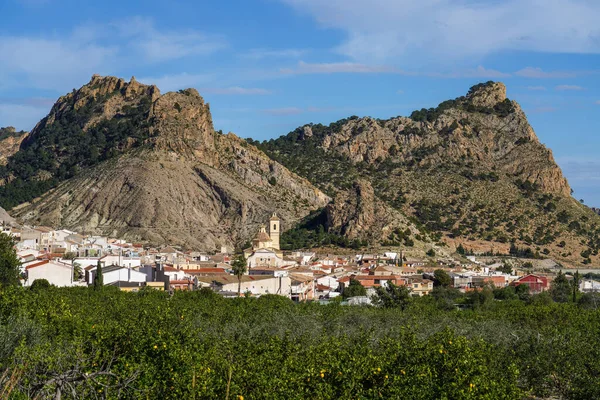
(471, 171)
(119, 158)
(10, 140)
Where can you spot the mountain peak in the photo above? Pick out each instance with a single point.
(487, 94)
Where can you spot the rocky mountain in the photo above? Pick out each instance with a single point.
(119, 158)
(10, 140)
(470, 171)
(596, 210)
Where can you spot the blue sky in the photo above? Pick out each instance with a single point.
(268, 66)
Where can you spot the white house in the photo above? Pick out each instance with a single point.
(589, 285)
(256, 285)
(113, 274)
(57, 273)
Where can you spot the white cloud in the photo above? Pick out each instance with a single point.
(236, 90)
(569, 87)
(339, 67)
(479, 72)
(538, 73)
(258, 54)
(405, 30)
(536, 88)
(62, 62)
(584, 170)
(50, 63)
(283, 111)
(156, 45)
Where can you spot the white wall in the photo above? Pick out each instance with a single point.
(56, 274)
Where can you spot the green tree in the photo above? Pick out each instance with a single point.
(99, 277)
(77, 272)
(523, 292)
(40, 284)
(560, 289)
(9, 262)
(441, 278)
(431, 253)
(239, 267)
(392, 296)
(576, 280)
(354, 289)
(460, 250)
(505, 269)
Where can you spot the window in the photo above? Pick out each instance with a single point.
(274, 227)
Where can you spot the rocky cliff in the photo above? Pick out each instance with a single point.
(166, 175)
(470, 171)
(10, 141)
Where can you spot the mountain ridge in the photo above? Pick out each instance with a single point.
(166, 175)
(469, 171)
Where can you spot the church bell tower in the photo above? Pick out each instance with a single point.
(274, 230)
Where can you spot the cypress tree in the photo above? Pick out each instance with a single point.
(98, 279)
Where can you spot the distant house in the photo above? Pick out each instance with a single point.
(255, 285)
(588, 285)
(420, 287)
(115, 273)
(536, 283)
(57, 273)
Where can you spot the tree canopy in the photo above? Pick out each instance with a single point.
(10, 264)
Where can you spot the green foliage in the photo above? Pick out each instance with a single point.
(392, 296)
(354, 289)
(9, 262)
(311, 232)
(239, 266)
(40, 284)
(560, 288)
(273, 181)
(197, 345)
(505, 269)
(430, 253)
(441, 278)
(98, 277)
(61, 149)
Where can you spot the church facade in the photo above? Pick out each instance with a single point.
(265, 250)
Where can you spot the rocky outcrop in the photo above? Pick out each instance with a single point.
(184, 184)
(476, 127)
(471, 170)
(10, 141)
(357, 213)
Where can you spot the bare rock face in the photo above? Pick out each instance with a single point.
(10, 141)
(185, 184)
(358, 214)
(488, 95)
(113, 94)
(499, 139)
(182, 122)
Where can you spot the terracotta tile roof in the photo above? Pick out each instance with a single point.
(37, 264)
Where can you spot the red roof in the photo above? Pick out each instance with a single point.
(37, 264)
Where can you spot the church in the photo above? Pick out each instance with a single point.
(265, 251)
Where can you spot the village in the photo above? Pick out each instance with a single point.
(65, 258)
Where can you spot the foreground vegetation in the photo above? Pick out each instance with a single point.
(84, 343)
